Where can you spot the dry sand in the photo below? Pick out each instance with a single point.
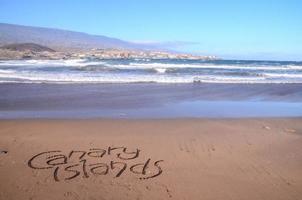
(160, 159)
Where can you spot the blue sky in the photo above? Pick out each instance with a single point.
(255, 29)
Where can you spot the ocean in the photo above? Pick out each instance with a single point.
(140, 88)
(149, 71)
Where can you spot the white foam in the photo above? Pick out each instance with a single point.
(277, 75)
(71, 62)
(29, 73)
(205, 66)
(161, 70)
(119, 78)
(7, 71)
(160, 66)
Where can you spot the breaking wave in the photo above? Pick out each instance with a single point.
(157, 71)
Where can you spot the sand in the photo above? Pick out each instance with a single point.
(156, 159)
(141, 100)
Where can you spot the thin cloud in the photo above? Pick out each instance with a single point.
(167, 44)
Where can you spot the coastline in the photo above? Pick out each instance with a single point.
(150, 100)
(150, 141)
(196, 158)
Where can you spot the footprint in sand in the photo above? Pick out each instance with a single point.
(3, 152)
(266, 127)
(288, 130)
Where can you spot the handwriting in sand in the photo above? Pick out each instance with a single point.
(114, 161)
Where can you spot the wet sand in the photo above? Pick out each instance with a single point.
(149, 100)
(163, 159)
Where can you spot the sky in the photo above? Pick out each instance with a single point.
(231, 29)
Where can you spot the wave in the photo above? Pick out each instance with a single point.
(118, 78)
(160, 67)
(133, 71)
(71, 63)
(282, 75)
(7, 71)
(207, 66)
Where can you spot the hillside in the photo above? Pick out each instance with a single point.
(19, 42)
(61, 39)
(27, 47)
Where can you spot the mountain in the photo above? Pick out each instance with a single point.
(58, 39)
(27, 47)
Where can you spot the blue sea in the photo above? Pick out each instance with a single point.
(146, 88)
(149, 70)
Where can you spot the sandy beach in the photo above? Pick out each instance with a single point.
(150, 100)
(151, 159)
(150, 141)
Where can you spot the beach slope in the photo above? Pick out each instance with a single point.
(151, 159)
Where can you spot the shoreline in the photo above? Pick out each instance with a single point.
(147, 101)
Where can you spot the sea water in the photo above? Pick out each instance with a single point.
(146, 88)
(149, 70)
